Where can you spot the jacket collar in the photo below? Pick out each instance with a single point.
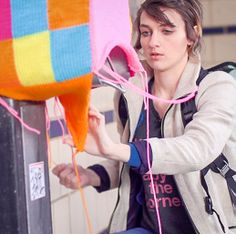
(134, 101)
(187, 82)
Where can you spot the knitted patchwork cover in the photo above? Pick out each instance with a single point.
(53, 47)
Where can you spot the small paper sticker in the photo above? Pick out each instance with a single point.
(37, 180)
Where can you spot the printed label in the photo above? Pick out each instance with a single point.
(165, 192)
(37, 180)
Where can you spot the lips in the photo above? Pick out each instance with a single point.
(155, 55)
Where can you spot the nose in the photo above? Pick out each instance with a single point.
(154, 40)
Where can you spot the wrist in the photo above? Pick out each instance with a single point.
(94, 180)
(119, 152)
(101, 180)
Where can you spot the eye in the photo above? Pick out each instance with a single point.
(146, 33)
(167, 31)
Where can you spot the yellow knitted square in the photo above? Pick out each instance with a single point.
(33, 60)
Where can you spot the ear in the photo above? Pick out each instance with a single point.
(198, 30)
(190, 43)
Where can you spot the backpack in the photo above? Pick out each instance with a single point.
(220, 164)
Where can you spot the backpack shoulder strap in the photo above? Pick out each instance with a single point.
(188, 109)
(226, 67)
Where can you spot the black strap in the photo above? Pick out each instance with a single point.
(202, 75)
(226, 67)
(188, 109)
(208, 201)
(221, 166)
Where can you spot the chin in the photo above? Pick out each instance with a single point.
(156, 65)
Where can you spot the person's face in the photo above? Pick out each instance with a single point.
(164, 46)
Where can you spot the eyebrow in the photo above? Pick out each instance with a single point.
(144, 26)
(162, 25)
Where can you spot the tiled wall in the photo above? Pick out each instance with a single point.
(219, 44)
(67, 210)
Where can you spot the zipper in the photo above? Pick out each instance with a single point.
(118, 199)
(163, 120)
(185, 207)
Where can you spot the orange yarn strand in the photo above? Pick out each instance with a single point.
(85, 207)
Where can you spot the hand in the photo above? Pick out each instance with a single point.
(97, 142)
(68, 178)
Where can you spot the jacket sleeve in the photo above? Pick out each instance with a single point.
(108, 171)
(206, 135)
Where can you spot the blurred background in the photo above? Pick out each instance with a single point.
(67, 210)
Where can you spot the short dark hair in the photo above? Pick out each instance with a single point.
(189, 10)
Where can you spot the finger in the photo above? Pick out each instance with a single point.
(92, 107)
(69, 141)
(69, 181)
(68, 170)
(76, 182)
(94, 112)
(58, 169)
(96, 118)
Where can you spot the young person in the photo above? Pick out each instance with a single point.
(169, 34)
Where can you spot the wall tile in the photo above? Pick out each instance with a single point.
(62, 217)
(223, 12)
(224, 48)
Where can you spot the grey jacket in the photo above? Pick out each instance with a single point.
(184, 152)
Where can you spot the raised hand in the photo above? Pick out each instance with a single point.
(98, 142)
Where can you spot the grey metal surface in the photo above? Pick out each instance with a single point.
(24, 181)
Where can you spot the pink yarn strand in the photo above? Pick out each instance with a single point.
(15, 114)
(125, 82)
(65, 139)
(148, 160)
(48, 122)
(57, 107)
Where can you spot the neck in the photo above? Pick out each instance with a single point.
(166, 81)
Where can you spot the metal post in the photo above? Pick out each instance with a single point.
(24, 181)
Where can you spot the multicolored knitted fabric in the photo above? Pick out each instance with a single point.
(53, 47)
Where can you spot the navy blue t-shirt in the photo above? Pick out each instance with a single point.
(173, 215)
